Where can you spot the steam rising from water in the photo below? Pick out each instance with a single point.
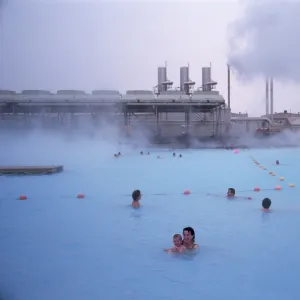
(65, 144)
(82, 144)
(286, 138)
(266, 40)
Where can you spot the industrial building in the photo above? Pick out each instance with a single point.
(164, 111)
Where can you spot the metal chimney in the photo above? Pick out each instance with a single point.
(271, 98)
(206, 78)
(228, 85)
(184, 77)
(161, 78)
(185, 82)
(267, 96)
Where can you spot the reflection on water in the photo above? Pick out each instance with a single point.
(186, 255)
(265, 215)
(135, 214)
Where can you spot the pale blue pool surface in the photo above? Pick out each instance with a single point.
(55, 246)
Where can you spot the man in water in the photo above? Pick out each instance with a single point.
(136, 197)
(230, 193)
(266, 204)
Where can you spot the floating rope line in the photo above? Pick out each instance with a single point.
(271, 173)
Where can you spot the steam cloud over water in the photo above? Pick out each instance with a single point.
(67, 144)
(265, 41)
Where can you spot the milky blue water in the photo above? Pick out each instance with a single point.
(55, 246)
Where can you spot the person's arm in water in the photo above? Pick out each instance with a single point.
(175, 249)
(170, 249)
(181, 249)
(232, 197)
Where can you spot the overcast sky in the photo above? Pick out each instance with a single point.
(73, 44)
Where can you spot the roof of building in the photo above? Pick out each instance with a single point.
(284, 115)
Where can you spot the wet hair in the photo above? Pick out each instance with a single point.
(142, 152)
(119, 153)
(136, 194)
(177, 235)
(180, 155)
(174, 154)
(191, 231)
(266, 203)
(232, 190)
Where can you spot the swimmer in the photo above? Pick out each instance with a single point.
(178, 244)
(266, 204)
(136, 197)
(189, 238)
(277, 162)
(142, 152)
(180, 155)
(174, 154)
(119, 153)
(116, 155)
(231, 193)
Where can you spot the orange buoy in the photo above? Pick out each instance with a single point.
(23, 197)
(256, 189)
(80, 196)
(278, 188)
(187, 192)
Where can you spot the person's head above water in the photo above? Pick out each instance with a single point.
(188, 235)
(266, 203)
(231, 192)
(136, 195)
(177, 240)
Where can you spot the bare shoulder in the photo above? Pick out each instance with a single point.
(195, 246)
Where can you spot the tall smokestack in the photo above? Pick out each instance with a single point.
(267, 96)
(228, 86)
(271, 98)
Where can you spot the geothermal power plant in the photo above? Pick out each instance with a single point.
(164, 112)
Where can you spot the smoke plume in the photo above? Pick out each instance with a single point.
(265, 41)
